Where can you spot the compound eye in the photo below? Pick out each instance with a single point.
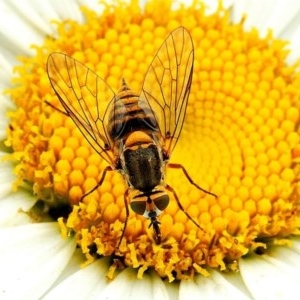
(138, 205)
(162, 201)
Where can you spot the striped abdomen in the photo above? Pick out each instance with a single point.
(129, 114)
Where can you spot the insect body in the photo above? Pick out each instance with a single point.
(134, 132)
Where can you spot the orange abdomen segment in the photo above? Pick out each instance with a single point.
(128, 113)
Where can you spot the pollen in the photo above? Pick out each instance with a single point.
(240, 140)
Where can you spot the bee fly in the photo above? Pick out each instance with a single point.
(134, 132)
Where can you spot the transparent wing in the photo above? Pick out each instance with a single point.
(167, 84)
(86, 99)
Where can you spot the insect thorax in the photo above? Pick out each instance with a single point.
(143, 166)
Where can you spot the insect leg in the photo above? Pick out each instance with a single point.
(169, 188)
(179, 166)
(126, 219)
(108, 168)
(56, 108)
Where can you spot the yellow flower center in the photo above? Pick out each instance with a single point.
(240, 140)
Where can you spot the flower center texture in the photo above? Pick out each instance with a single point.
(240, 140)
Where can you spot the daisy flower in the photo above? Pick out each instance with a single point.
(240, 141)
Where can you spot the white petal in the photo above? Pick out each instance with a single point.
(14, 207)
(252, 10)
(24, 23)
(296, 244)
(172, 289)
(39, 13)
(11, 25)
(273, 276)
(6, 62)
(95, 5)
(3, 126)
(6, 176)
(189, 290)
(127, 286)
(31, 258)
(211, 6)
(73, 266)
(159, 291)
(91, 283)
(295, 45)
(280, 16)
(82, 283)
(33, 18)
(284, 16)
(217, 286)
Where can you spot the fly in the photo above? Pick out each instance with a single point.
(134, 132)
